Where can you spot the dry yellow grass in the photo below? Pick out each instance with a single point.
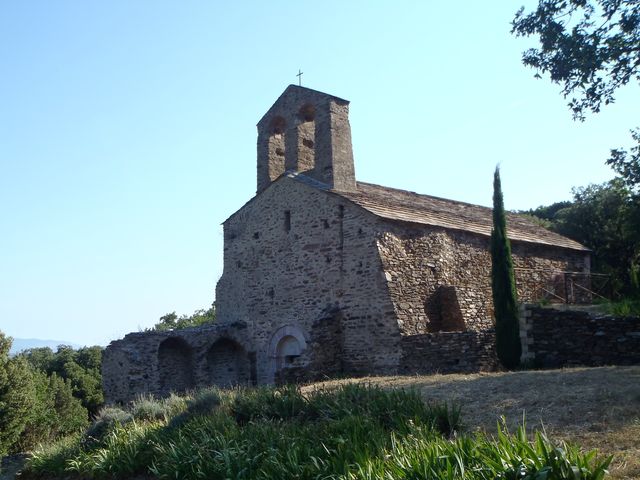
(596, 408)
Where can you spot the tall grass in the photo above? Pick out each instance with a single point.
(626, 307)
(352, 432)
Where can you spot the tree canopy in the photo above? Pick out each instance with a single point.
(80, 368)
(591, 48)
(34, 407)
(171, 321)
(605, 218)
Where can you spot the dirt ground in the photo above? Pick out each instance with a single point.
(596, 408)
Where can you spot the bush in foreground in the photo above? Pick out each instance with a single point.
(353, 432)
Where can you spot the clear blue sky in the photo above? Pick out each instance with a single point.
(127, 135)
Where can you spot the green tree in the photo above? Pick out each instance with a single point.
(16, 394)
(81, 368)
(591, 48)
(171, 321)
(605, 218)
(503, 285)
(54, 412)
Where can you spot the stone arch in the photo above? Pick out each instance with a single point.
(307, 112)
(227, 363)
(175, 365)
(287, 344)
(278, 125)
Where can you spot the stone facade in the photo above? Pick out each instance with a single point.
(553, 337)
(326, 276)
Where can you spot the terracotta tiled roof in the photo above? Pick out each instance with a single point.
(412, 207)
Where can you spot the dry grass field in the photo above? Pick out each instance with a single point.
(596, 408)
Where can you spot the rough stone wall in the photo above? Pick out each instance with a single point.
(448, 352)
(306, 131)
(161, 362)
(554, 337)
(423, 265)
(295, 256)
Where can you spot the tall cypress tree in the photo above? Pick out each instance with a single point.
(503, 285)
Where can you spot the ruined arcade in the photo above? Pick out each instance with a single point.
(326, 276)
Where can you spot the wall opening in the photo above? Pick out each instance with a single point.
(287, 220)
(286, 346)
(175, 366)
(443, 311)
(287, 351)
(306, 138)
(228, 363)
(277, 147)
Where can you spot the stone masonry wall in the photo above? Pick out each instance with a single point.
(553, 337)
(420, 260)
(448, 352)
(161, 362)
(296, 255)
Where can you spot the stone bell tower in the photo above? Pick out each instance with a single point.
(308, 132)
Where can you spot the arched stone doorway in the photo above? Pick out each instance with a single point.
(287, 350)
(175, 365)
(287, 344)
(228, 363)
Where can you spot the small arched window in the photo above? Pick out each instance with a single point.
(307, 113)
(278, 125)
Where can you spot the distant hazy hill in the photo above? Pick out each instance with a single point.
(20, 344)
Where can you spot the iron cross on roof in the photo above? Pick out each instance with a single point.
(299, 75)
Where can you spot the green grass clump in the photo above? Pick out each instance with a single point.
(53, 458)
(353, 432)
(264, 403)
(627, 307)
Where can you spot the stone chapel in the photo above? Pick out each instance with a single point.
(326, 276)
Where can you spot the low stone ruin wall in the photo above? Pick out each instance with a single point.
(553, 337)
(448, 352)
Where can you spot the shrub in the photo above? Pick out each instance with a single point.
(146, 407)
(265, 403)
(149, 408)
(204, 402)
(108, 418)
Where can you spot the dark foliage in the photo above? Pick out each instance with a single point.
(503, 286)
